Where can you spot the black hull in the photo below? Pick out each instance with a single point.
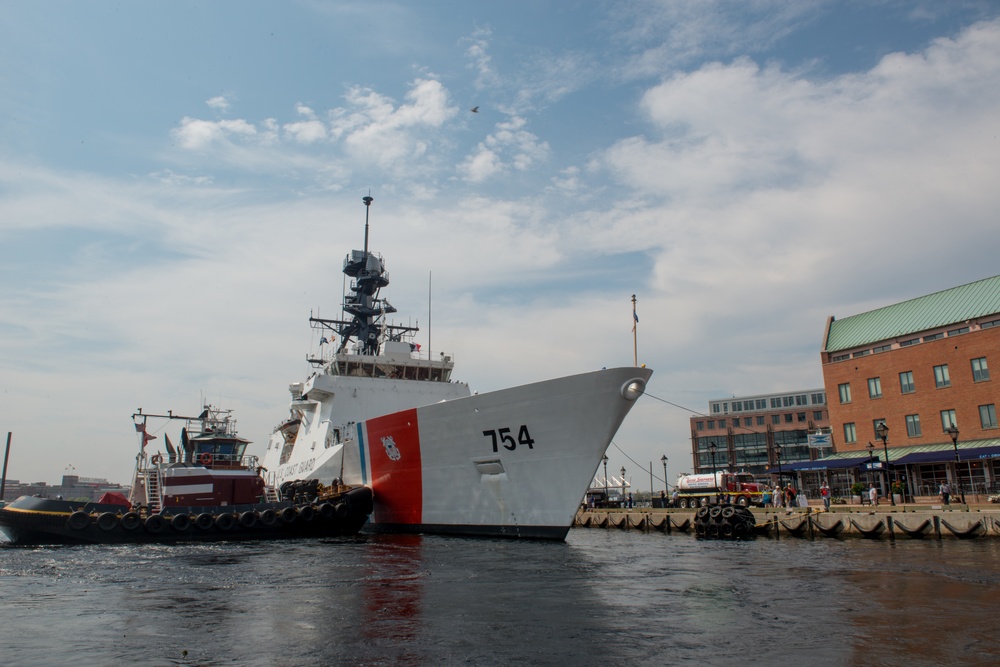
(40, 521)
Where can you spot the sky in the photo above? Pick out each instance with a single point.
(180, 182)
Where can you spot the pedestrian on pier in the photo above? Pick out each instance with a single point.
(873, 495)
(946, 493)
(824, 493)
(779, 501)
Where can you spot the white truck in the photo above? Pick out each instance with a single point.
(708, 489)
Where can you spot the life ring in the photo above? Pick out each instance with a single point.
(78, 520)
(131, 521)
(156, 460)
(107, 521)
(180, 522)
(205, 459)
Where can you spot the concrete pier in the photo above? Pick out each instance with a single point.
(884, 522)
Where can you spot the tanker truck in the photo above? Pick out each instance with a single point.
(708, 489)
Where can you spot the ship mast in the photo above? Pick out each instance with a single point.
(363, 303)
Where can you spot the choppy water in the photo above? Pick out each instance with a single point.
(601, 598)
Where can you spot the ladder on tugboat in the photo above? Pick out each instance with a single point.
(271, 494)
(153, 490)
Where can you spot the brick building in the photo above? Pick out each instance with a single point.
(920, 367)
(756, 432)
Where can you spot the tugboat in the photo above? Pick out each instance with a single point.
(207, 489)
(377, 411)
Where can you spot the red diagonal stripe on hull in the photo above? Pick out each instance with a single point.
(397, 485)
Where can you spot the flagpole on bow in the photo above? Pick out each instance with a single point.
(635, 324)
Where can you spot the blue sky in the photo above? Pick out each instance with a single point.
(179, 183)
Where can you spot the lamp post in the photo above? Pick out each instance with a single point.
(883, 432)
(623, 486)
(666, 486)
(777, 457)
(953, 432)
(605, 460)
(715, 477)
(871, 460)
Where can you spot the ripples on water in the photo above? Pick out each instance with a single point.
(601, 598)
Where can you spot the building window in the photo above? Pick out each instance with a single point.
(875, 387)
(818, 399)
(933, 337)
(699, 426)
(762, 404)
(801, 416)
(775, 419)
(989, 325)
(715, 408)
(906, 382)
(861, 353)
(788, 418)
(845, 392)
(907, 343)
(979, 370)
(988, 415)
(818, 415)
(801, 399)
(881, 348)
(775, 402)
(913, 426)
(736, 422)
(959, 331)
(787, 401)
(941, 377)
(850, 435)
(948, 419)
(760, 420)
(840, 357)
(748, 421)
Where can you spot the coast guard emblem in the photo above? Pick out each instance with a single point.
(391, 450)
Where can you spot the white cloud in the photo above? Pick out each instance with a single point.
(219, 103)
(195, 134)
(508, 146)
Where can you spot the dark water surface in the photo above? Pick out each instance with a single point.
(602, 598)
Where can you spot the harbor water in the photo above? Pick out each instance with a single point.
(600, 598)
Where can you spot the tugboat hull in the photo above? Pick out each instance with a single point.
(36, 521)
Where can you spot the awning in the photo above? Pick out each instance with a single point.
(945, 455)
(820, 464)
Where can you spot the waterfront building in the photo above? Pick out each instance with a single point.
(919, 367)
(761, 431)
(72, 487)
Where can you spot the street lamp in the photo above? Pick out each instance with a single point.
(623, 486)
(715, 477)
(871, 460)
(883, 432)
(666, 486)
(953, 432)
(605, 459)
(777, 457)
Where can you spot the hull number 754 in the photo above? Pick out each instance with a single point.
(504, 437)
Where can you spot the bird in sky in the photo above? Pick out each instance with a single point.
(474, 109)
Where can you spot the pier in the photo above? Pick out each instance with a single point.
(884, 522)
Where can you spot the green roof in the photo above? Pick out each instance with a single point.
(950, 306)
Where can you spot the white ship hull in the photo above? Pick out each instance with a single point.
(515, 462)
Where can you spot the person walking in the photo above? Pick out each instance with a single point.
(790, 497)
(873, 495)
(946, 493)
(777, 497)
(824, 493)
